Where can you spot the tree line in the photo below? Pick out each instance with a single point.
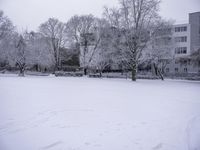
(126, 36)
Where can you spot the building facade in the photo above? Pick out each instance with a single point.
(194, 21)
(181, 38)
(186, 40)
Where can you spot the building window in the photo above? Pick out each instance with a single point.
(184, 29)
(189, 62)
(181, 39)
(177, 29)
(181, 29)
(185, 70)
(181, 50)
(176, 70)
(184, 62)
(167, 70)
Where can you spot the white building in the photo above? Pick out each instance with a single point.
(186, 39)
(181, 38)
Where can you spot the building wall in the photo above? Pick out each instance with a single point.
(181, 40)
(192, 33)
(194, 21)
(182, 67)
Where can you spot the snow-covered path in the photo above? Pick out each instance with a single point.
(49, 113)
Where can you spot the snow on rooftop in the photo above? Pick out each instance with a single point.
(177, 22)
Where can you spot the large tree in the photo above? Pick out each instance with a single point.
(84, 32)
(54, 32)
(135, 21)
(18, 52)
(39, 49)
(108, 51)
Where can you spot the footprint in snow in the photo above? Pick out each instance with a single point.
(52, 145)
(143, 123)
(158, 147)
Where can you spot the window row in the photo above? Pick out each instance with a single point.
(180, 29)
(181, 50)
(181, 39)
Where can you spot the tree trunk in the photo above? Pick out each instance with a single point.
(134, 72)
(100, 73)
(21, 69)
(160, 74)
(56, 67)
(155, 69)
(21, 72)
(134, 62)
(85, 71)
(37, 68)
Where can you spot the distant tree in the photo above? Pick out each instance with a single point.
(6, 26)
(117, 40)
(159, 52)
(18, 53)
(54, 32)
(79, 25)
(84, 31)
(80, 31)
(88, 49)
(108, 50)
(6, 31)
(38, 51)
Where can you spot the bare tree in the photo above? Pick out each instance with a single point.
(96, 46)
(102, 55)
(109, 50)
(18, 53)
(6, 26)
(77, 26)
(54, 31)
(84, 31)
(159, 52)
(113, 16)
(6, 31)
(38, 49)
(137, 17)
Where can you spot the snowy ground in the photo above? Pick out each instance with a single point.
(49, 113)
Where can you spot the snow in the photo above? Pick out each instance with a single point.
(49, 113)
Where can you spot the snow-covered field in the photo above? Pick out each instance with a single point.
(49, 113)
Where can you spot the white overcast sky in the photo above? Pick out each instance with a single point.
(28, 14)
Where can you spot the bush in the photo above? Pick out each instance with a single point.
(68, 74)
